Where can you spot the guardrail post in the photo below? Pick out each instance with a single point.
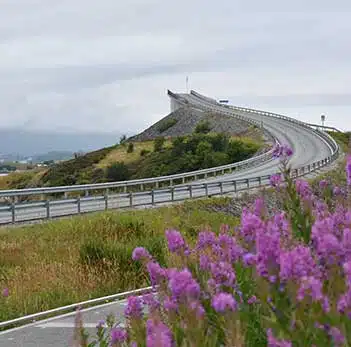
(259, 181)
(125, 188)
(87, 193)
(234, 183)
(171, 182)
(157, 184)
(141, 187)
(152, 197)
(309, 168)
(172, 193)
(106, 200)
(206, 189)
(221, 187)
(47, 204)
(190, 191)
(13, 212)
(78, 205)
(183, 180)
(248, 183)
(314, 166)
(65, 195)
(205, 175)
(130, 199)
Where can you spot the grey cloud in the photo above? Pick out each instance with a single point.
(105, 65)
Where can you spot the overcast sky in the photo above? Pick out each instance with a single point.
(106, 65)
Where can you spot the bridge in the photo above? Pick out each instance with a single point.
(313, 149)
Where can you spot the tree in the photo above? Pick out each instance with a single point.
(122, 139)
(158, 143)
(117, 172)
(130, 148)
(203, 127)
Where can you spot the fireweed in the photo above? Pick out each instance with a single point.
(281, 279)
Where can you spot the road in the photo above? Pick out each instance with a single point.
(59, 331)
(308, 147)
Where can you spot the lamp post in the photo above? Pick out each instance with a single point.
(322, 119)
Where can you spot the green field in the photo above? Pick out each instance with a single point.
(69, 260)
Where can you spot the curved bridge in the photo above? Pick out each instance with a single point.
(313, 149)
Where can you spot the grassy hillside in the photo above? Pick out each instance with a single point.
(70, 260)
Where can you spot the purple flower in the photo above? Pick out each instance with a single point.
(205, 262)
(175, 240)
(5, 292)
(303, 189)
(223, 302)
(223, 273)
(250, 226)
(134, 309)
(183, 286)
(337, 191)
(323, 184)
(100, 324)
(312, 287)
(156, 272)
(273, 342)
(158, 334)
(196, 307)
(348, 170)
(206, 239)
(252, 300)
(140, 253)
(337, 337)
(249, 259)
(297, 263)
(268, 253)
(151, 301)
(170, 304)
(275, 180)
(282, 152)
(118, 335)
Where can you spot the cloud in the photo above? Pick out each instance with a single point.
(106, 65)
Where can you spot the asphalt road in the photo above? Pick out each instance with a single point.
(307, 145)
(59, 331)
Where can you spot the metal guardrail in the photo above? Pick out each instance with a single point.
(69, 308)
(154, 180)
(129, 199)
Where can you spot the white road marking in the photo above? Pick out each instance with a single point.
(69, 325)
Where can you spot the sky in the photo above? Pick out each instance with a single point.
(105, 66)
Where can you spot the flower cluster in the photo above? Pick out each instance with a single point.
(280, 279)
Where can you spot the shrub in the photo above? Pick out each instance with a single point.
(144, 152)
(130, 148)
(203, 127)
(158, 143)
(166, 124)
(123, 139)
(117, 172)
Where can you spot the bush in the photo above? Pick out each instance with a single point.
(158, 143)
(166, 124)
(117, 172)
(130, 148)
(144, 152)
(203, 127)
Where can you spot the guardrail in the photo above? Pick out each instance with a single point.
(156, 181)
(58, 208)
(33, 318)
(133, 199)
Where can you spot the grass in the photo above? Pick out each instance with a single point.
(69, 260)
(119, 154)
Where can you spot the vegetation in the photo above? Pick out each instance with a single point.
(282, 279)
(60, 262)
(203, 127)
(130, 148)
(194, 152)
(117, 172)
(166, 124)
(158, 143)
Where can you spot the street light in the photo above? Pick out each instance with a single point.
(323, 119)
